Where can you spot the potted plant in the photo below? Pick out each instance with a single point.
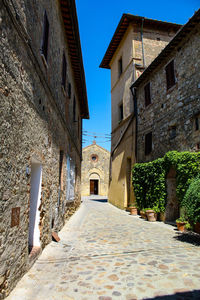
(133, 209)
(181, 222)
(151, 215)
(143, 214)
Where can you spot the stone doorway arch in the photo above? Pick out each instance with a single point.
(94, 179)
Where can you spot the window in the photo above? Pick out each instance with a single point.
(170, 75)
(147, 94)
(70, 188)
(61, 170)
(69, 90)
(64, 71)
(74, 110)
(172, 133)
(45, 37)
(148, 143)
(121, 112)
(196, 123)
(198, 146)
(94, 158)
(120, 67)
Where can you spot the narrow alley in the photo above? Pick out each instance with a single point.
(105, 253)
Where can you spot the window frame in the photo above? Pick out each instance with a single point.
(148, 143)
(147, 94)
(45, 37)
(120, 67)
(121, 112)
(64, 71)
(170, 74)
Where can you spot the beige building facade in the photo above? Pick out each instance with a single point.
(95, 171)
(135, 44)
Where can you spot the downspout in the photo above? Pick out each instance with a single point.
(133, 91)
(142, 43)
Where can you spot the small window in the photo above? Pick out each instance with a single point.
(121, 112)
(69, 90)
(120, 69)
(170, 75)
(45, 37)
(196, 123)
(74, 110)
(147, 94)
(148, 143)
(64, 71)
(172, 133)
(94, 158)
(61, 170)
(198, 146)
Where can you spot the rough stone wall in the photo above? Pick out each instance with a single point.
(33, 125)
(176, 107)
(100, 167)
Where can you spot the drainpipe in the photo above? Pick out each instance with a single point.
(142, 43)
(133, 91)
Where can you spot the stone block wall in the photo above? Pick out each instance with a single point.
(33, 127)
(173, 112)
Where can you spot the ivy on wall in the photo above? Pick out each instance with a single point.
(149, 179)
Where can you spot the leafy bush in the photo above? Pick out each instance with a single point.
(149, 179)
(191, 201)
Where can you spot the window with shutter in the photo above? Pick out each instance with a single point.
(120, 69)
(147, 93)
(170, 75)
(64, 71)
(148, 143)
(45, 37)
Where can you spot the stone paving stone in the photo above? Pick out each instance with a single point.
(105, 253)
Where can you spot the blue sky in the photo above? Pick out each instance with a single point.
(97, 23)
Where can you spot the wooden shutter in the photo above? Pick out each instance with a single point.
(45, 36)
(147, 94)
(170, 75)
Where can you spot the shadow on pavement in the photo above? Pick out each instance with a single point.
(179, 296)
(188, 237)
(100, 200)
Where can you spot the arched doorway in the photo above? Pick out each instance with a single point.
(94, 184)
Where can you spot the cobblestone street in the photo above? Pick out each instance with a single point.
(105, 254)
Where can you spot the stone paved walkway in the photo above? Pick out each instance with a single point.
(105, 254)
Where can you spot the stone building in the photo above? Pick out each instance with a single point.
(95, 171)
(43, 101)
(167, 102)
(135, 43)
(168, 97)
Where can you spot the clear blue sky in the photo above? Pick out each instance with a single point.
(98, 20)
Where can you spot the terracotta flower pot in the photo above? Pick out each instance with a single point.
(143, 214)
(151, 215)
(181, 226)
(197, 227)
(133, 211)
(162, 216)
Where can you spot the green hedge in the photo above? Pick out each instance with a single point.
(191, 201)
(149, 179)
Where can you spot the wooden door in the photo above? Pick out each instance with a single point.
(91, 187)
(94, 187)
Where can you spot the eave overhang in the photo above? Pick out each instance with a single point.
(167, 51)
(69, 15)
(126, 19)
